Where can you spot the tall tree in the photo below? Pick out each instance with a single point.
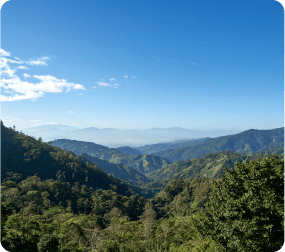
(246, 208)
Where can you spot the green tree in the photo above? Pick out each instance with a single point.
(245, 211)
(48, 243)
(4, 217)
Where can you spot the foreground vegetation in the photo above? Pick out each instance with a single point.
(72, 206)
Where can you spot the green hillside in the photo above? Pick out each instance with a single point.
(23, 156)
(209, 166)
(120, 171)
(128, 150)
(244, 142)
(154, 148)
(143, 163)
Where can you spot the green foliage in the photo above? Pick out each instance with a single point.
(4, 217)
(48, 243)
(246, 209)
(23, 156)
(52, 200)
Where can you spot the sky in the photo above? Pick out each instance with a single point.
(140, 64)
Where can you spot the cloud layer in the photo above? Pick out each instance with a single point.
(37, 85)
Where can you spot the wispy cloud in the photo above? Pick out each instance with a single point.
(26, 75)
(126, 76)
(103, 84)
(8, 119)
(38, 62)
(22, 89)
(133, 77)
(115, 85)
(112, 79)
(4, 53)
(22, 67)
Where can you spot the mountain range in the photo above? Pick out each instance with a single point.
(204, 157)
(244, 142)
(116, 138)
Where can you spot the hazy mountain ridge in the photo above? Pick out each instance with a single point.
(154, 148)
(143, 163)
(244, 142)
(116, 138)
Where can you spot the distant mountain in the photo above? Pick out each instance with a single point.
(128, 150)
(116, 138)
(142, 163)
(244, 142)
(51, 126)
(154, 148)
(120, 171)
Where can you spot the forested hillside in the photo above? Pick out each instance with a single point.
(245, 142)
(53, 200)
(143, 163)
(120, 171)
(211, 165)
(23, 156)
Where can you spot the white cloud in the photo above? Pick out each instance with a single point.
(112, 79)
(26, 75)
(9, 92)
(75, 123)
(126, 76)
(11, 82)
(4, 53)
(16, 61)
(103, 84)
(94, 87)
(115, 85)
(38, 62)
(22, 67)
(80, 94)
(133, 77)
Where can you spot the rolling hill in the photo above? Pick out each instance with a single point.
(154, 148)
(120, 171)
(244, 142)
(143, 163)
(23, 156)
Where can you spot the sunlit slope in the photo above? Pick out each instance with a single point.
(120, 171)
(244, 142)
(209, 166)
(143, 163)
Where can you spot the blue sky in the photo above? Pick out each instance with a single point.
(143, 64)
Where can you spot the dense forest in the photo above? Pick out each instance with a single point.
(54, 200)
